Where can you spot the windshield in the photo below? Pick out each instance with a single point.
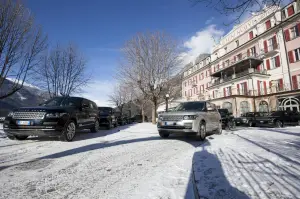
(190, 106)
(60, 101)
(104, 110)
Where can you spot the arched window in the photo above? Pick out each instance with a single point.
(290, 103)
(263, 106)
(228, 106)
(244, 107)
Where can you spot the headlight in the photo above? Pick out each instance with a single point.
(10, 114)
(54, 115)
(189, 117)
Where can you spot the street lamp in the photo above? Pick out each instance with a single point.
(167, 99)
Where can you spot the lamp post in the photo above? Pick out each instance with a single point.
(167, 100)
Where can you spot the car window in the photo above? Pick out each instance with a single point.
(190, 106)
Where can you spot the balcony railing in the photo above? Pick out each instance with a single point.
(270, 49)
(238, 75)
(235, 62)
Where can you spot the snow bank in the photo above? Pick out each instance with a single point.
(249, 163)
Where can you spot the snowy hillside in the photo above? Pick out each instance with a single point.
(29, 95)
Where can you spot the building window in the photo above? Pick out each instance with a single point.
(273, 63)
(253, 51)
(185, 84)
(225, 50)
(242, 88)
(295, 32)
(263, 106)
(244, 107)
(227, 91)
(184, 93)
(239, 56)
(237, 43)
(216, 55)
(283, 14)
(290, 10)
(228, 106)
(227, 63)
(268, 24)
(290, 103)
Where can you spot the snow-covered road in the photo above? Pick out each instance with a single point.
(250, 163)
(131, 163)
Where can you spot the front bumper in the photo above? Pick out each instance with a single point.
(33, 132)
(183, 126)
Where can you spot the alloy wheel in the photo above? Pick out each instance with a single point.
(202, 131)
(71, 131)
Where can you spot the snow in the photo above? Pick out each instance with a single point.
(249, 163)
(134, 162)
(21, 96)
(131, 163)
(20, 82)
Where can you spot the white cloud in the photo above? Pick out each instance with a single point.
(209, 21)
(202, 42)
(98, 92)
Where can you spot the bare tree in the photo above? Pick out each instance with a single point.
(119, 97)
(21, 43)
(150, 60)
(238, 8)
(63, 71)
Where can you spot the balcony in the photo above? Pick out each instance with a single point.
(251, 71)
(242, 63)
(271, 50)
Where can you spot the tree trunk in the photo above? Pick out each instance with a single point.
(143, 114)
(154, 107)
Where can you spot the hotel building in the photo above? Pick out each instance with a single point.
(255, 67)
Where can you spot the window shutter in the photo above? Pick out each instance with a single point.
(246, 89)
(275, 42)
(268, 64)
(291, 56)
(295, 82)
(270, 84)
(290, 10)
(265, 46)
(251, 35)
(281, 83)
(277, 61)
(287, 35)
(265, 87)
(238, 88)
(248, 53)
(258, 68)
(258, 87)
(298, 29)
(224, 90)
(268, 24)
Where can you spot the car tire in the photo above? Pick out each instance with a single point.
(250, 123)
(21, 137)
(163, 134)
(201, 134)
(69, 131)
(96, 127)
(11, 137)
(298, 123)
(279, 124)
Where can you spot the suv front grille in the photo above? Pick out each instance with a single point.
(172, 117)
(29, 115)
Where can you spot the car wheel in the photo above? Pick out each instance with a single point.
(279, 124)
(163, 134)
(201, 134)
(11, 137)
(21, 137)
(69, 132)
(231, 125)
(298, 122)
(250, 124)
(96, 127)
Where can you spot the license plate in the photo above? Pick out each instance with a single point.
(169, 123)
(25, 123)
(261, 121)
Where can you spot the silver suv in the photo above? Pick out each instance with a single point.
(198, 117)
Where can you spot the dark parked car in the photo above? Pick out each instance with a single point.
(139, 118)
(279, 119)
(251, 118)
(107, 117)
(228, 121)
(58, 117)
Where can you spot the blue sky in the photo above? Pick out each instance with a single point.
(100, 28)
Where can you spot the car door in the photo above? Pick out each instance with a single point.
(215, 117)
(93, 113)
(286, 117)
(209, 117)
(85, 112)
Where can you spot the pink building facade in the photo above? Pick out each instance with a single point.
(255, 67)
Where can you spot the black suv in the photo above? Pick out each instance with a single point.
(279, 119)
(228, 121)
(107, 117)
(58, 117)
